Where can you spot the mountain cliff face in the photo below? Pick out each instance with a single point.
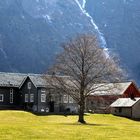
(31, 31)
(119, 21)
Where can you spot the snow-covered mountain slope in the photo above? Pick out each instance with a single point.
(32, 30)
(119, 21)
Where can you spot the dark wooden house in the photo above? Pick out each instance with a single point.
(30, 92)
(39, 97)
(9, 90)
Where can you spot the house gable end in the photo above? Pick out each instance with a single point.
(131, 91)
(25, 81)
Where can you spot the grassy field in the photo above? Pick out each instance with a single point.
(18, 125)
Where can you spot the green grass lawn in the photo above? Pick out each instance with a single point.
(22, 125)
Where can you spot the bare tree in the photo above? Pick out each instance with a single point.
(85, 64)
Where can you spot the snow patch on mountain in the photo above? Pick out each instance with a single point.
(3, 52)
(82, 5)
(47, 18)
(1, 48)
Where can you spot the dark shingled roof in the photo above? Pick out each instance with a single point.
(11, 79)
(38, 80)
(17, 79)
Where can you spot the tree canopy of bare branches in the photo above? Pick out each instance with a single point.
(81, 65)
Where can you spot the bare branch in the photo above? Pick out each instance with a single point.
(87, 68)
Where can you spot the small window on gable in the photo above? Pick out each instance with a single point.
(11, 90)
(132, 96)
(1, 97)
(31, 97)
(43, 97)
(65, 98)
(43, 90)
(26, 98)
(29, 85)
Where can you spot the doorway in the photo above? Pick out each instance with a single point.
(51, 106)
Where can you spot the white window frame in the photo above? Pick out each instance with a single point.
(1, 97)
(26, 98)
(29, 85)
(11, 95)
(11, 90)
(31, 97)
(71, 99)
(43, 90)
(43, 98)
(65, 98)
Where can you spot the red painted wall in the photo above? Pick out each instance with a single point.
(132, 90)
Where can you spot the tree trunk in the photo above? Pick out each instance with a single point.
(81, 110)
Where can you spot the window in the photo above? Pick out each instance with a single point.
(70, 99)
(31, 97)
(11, 90)
(1, 97)
(42, 109)
(120, 110)
(29, 85)
(47, 109)
(132, 96)
(65, 98)
(11, 95)
(26, 97)
(43, 90)
(43, 97)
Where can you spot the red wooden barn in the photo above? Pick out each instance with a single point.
(104, 95)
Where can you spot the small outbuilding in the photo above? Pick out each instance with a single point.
(105, 94)
(126, 107)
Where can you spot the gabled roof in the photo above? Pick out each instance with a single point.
(18, 79)
(125, 102)
(110, 88)
(11, 79)
(38, 80)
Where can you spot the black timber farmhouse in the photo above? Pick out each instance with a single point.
(29, 92)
